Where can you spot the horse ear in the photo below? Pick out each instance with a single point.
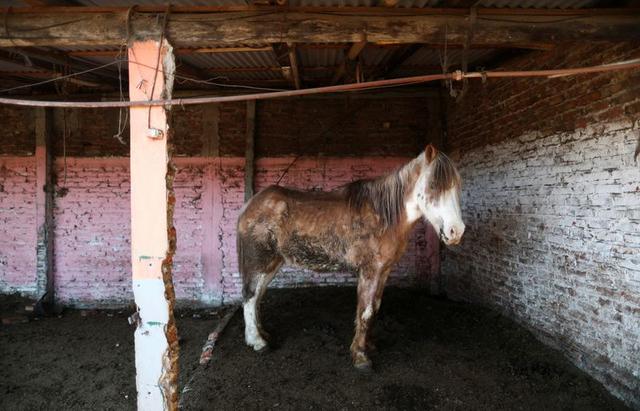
(430, 153)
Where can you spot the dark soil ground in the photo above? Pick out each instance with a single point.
(432, 354)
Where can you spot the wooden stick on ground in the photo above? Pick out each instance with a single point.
(207, 349)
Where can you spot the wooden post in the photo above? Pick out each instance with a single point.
(151, 71)
(436, 135)
(44, 206)
(210, 130)
(249, 150)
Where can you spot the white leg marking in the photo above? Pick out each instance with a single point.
(251, 334)
(368, 312)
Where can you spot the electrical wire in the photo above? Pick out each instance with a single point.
(59, 78)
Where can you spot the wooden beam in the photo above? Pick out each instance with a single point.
(295, 70)
(84, 28)
(352, 55)
(281, 52)
(153, 236)
(249, 155)
(44, 206)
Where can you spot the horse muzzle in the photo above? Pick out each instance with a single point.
(452, 236)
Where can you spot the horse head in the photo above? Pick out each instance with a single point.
(437, 195)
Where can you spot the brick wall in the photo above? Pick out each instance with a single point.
(552, 206)
(17, 224)
(18, 131)
(340, 126)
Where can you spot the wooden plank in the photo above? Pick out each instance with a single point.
(152, 231)
(81, 28)
(281, 52)
(44, 205)
(376, 10)
(249, 155)
(295, 70)
(352, 55)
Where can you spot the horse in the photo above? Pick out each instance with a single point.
(363, 227)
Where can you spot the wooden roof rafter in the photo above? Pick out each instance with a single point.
(83, 26)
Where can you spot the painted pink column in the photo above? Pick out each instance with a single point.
(151, 69)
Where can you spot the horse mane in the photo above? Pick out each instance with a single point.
(444, 176)
(386, 194)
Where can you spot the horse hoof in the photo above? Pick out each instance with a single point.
(364, 366)
(261, 350)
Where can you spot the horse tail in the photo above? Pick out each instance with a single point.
(242, 267)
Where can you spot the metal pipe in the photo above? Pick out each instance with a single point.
(457, 76)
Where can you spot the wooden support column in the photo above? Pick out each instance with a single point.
(249, 150)
(153, 237)
(44, 206)
(436, 130)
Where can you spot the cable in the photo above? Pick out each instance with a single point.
(59, 78)
(118, 61)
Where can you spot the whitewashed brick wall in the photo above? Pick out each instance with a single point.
(553, 240)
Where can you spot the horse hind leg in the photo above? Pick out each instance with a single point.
(254, 289)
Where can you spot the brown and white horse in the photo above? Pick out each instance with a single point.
(363, 226)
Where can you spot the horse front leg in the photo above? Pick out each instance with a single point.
(382, 280)
(367, 290)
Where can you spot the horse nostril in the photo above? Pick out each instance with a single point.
(452, 233)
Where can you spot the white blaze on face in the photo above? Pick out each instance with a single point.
(443, 214)
(447, 215)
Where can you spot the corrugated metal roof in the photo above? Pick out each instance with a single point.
(376, 56)
(247, 75)
(538, 4)
(265, 58)
(129, 3)
(426, 56)
(6, 66)
(318, 55)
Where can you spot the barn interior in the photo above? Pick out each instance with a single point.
(550, 192)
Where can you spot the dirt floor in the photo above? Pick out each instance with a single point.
(432, 354)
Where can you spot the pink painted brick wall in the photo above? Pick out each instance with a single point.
(18, 224)
(92, 236)
(92, 231)
(92, 225)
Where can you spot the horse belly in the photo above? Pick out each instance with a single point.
(317, 254)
